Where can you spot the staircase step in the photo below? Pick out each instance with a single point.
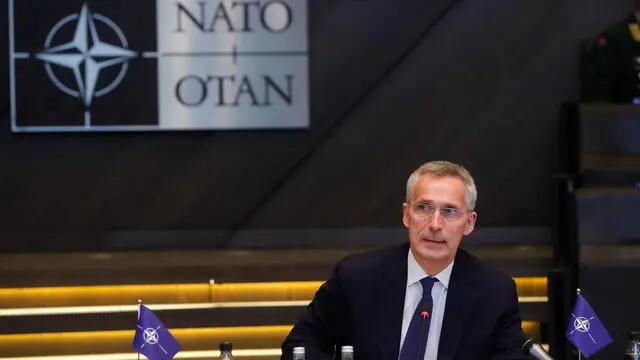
(609, 129)
(610, 171)
(603, 216)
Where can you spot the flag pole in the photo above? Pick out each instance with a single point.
(139, 303)
(212, 282)
(578, 292)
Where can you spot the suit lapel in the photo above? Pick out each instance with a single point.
(390, 304)
(461, 298)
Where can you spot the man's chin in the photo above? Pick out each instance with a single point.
(430, 254)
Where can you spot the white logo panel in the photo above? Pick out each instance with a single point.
(217, 64)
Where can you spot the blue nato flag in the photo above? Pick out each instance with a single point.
(152, 338)
(585, 329)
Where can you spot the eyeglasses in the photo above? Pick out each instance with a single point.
(425, 210)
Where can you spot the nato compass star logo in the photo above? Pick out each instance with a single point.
(151, 337)
(582, 324)
(86, 55)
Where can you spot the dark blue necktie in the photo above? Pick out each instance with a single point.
(415, 342)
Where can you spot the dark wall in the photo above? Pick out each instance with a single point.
(614, 299)
(393, 84)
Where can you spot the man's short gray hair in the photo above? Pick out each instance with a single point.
(442, 169)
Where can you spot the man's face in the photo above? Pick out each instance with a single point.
(434, 236)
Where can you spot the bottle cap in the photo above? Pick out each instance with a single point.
(298, 350)
(226, 347)
(347, 348)
(634, 335)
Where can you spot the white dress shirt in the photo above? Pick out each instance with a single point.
(412, 297)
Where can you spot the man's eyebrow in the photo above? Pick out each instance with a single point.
(424, 201)
(445, 205)
(453, 206)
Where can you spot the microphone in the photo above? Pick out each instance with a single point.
(425, 312)
(530, 347)
(425, 309)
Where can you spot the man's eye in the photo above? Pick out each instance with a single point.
(451, 211)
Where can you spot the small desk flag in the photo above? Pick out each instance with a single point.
(152, 338)
(585, 330)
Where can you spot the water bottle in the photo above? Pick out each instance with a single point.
(347, 352)
(633, 348)
(225, 351)
(298, 353)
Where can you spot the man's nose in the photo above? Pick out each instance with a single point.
(436, 221)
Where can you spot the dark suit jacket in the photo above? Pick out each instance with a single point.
(612, 66)
(362, 304)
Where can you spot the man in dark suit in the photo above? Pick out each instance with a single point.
(423, 300)
(613, 65)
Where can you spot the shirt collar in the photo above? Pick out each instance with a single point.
(415, 273)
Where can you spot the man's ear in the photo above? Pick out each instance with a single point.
(470, 224)
(405, 214)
